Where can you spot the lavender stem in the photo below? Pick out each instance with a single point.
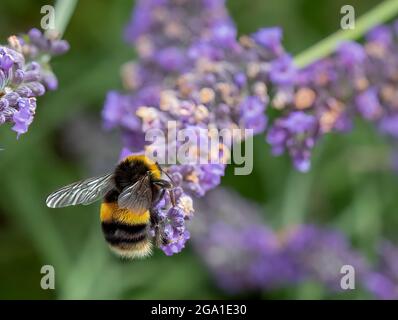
(63, 12)
(381, 13)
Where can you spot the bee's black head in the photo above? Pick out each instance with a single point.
(128, 172)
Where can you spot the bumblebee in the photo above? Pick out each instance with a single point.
(129, 194)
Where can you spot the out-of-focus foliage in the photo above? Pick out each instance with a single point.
(351, 186)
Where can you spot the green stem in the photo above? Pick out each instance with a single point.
(297, 195)
(381, 13)
(296, 198)
(63, 12)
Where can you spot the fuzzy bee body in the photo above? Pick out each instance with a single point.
(129, 194)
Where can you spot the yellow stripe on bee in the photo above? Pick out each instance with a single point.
(152, 166)
(139, 250)
(111, 212)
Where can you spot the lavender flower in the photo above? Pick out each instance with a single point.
(357, 80)
(173, 218)
(24, 75)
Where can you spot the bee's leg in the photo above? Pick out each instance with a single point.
(159, 196)
(164, 184)
(172, 197)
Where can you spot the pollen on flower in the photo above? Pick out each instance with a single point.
(375, 50)
(389, 94)
(246, 41)
(147, 114)
(206, 95)
(192, 177)
(186, 204)
(145, 47)
(304, 98)
(260, 89)
(253, 69)
(361, 83)
(168, 101)
(201, 113)
(280, 100)
(130, 78)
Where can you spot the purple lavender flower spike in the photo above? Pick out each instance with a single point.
(174, 218)
(24, 76)
(357, 80)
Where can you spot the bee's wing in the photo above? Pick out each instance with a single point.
(137, 197)
(81, 192)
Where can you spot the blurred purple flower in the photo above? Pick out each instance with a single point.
(383, 281)
(245, 255)
(319, 254)
(389, 126)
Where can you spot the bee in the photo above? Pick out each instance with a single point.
(129, 194)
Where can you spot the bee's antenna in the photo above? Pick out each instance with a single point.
(170, 191)
(168, 176)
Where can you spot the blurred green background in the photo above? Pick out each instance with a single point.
(350, 187)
